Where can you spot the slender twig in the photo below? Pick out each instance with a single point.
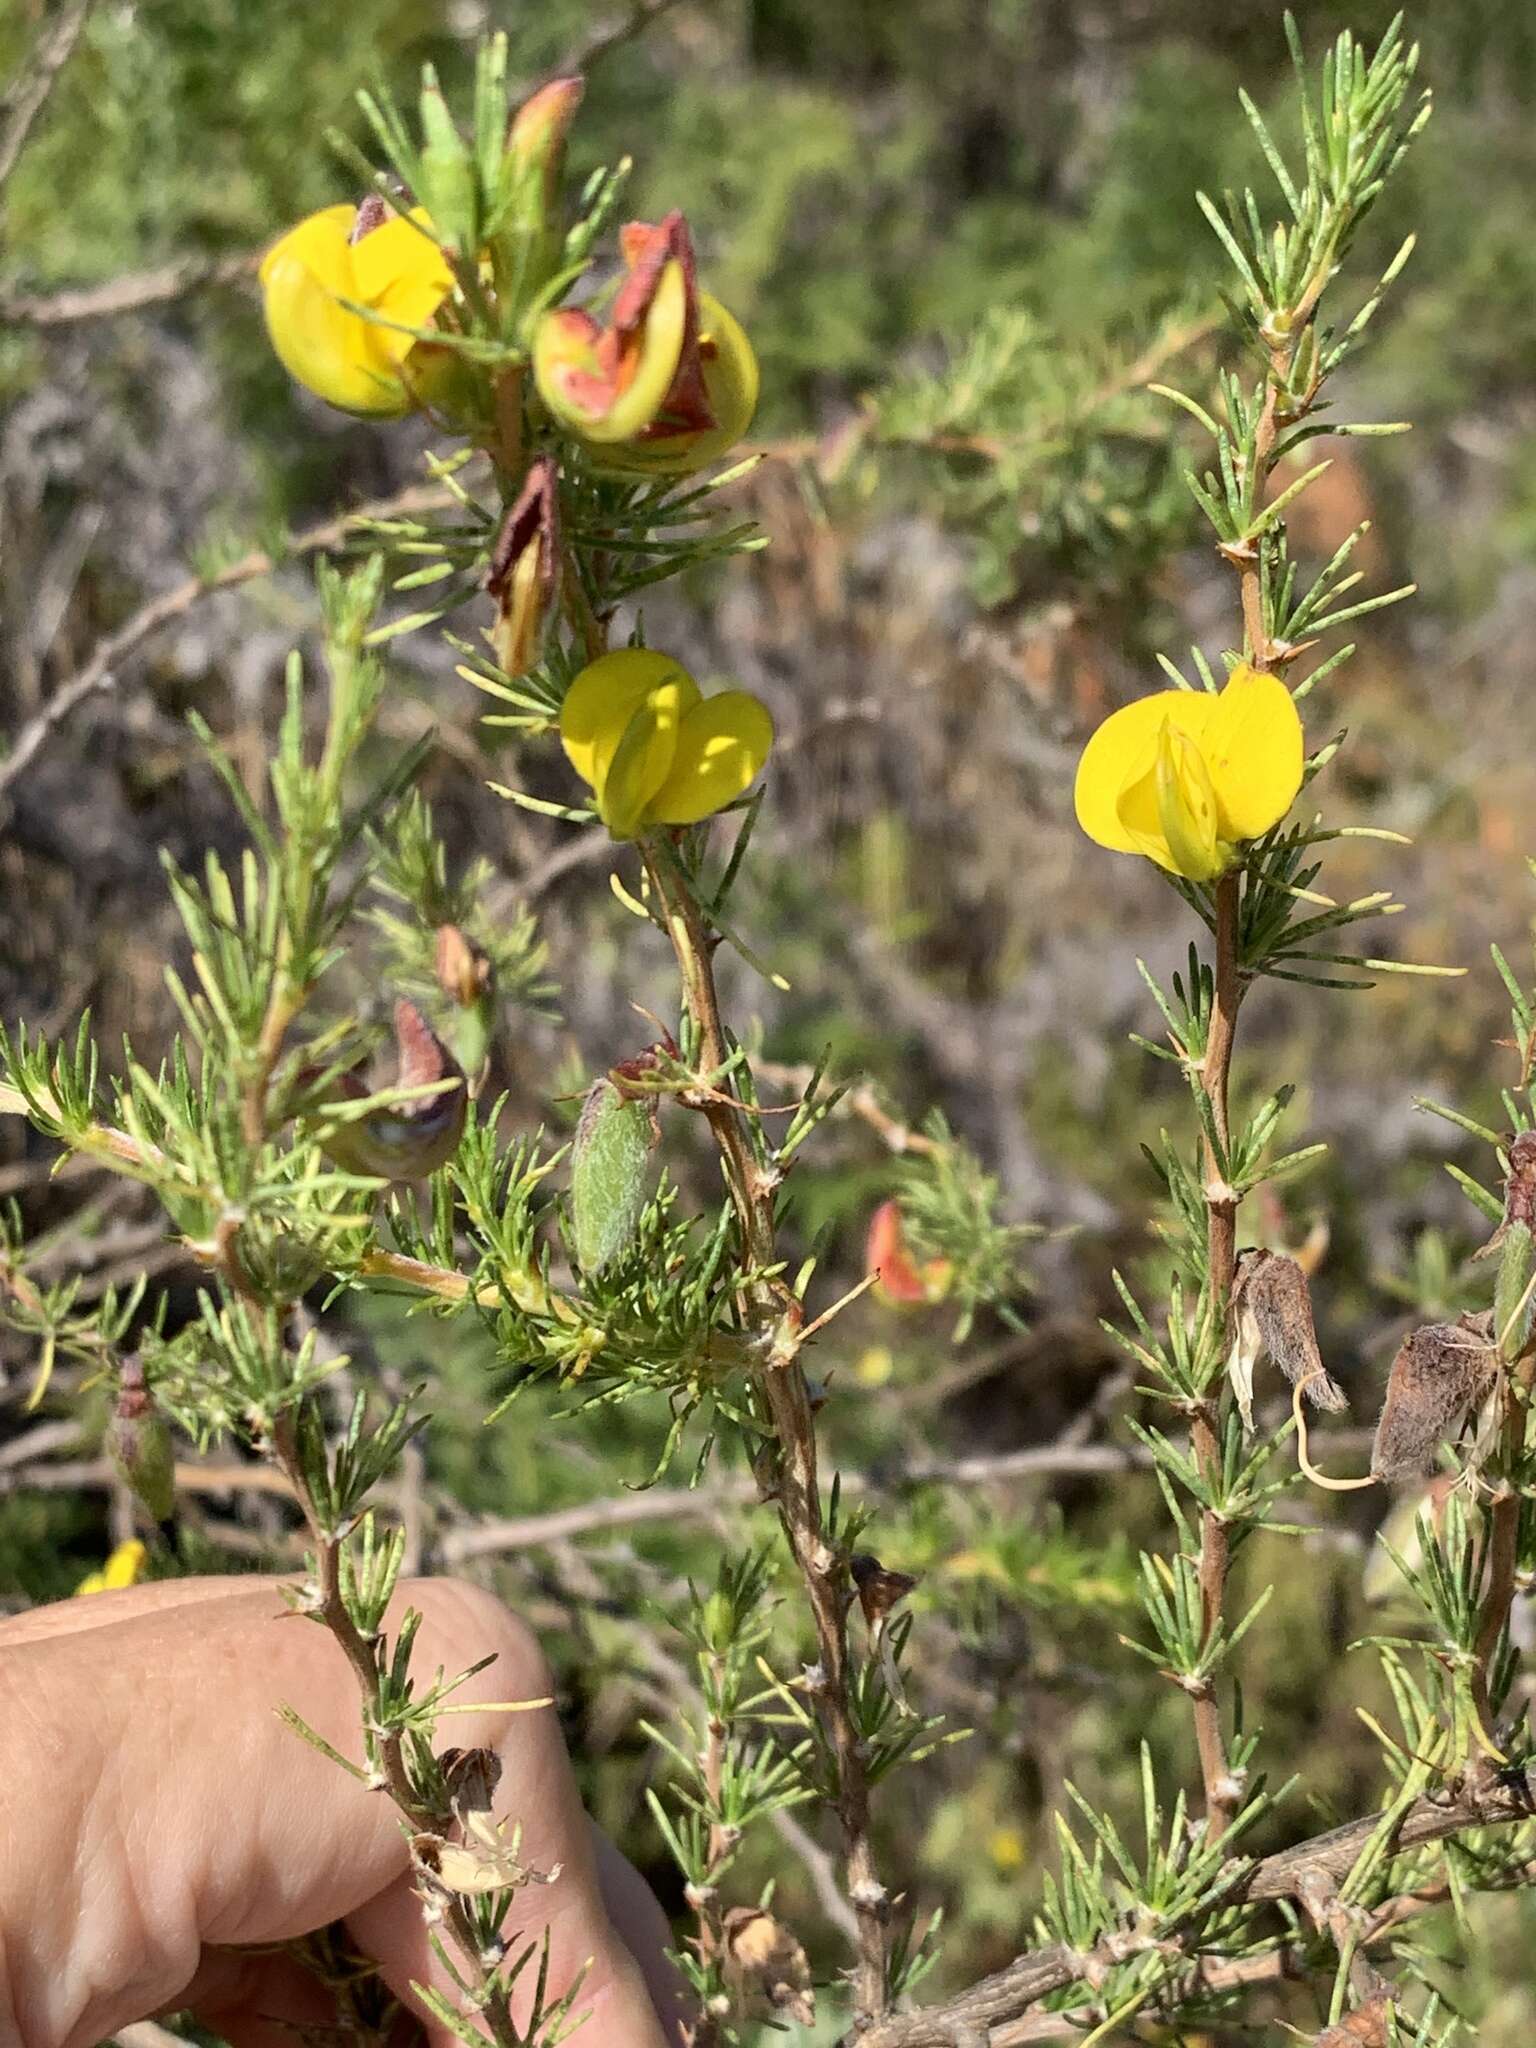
(704, 2031)
(1221, 1794)
(863, 1102)
(1503, 1547)
(604, 37)
(1208, 1976)
(27, 98)
(130, 293)
(668, 1504)
(777, 1319)
(102, 669)
(491, 1995)
(26, 1466)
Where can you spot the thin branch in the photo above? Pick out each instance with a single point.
(820, 1869)
(1209, 1976)
(671, 1504)
(102, 669)
(1222, 1795)
(130, 293)
(786, 1396)
(863, 1102)
(96, 1475)
(29, 95)
(604, 37)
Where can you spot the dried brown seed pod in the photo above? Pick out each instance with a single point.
(1274, 1311)
(879, 1590)
(472, 1776)
(764, 1959)
(1439, 1373)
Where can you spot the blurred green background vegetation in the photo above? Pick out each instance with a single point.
(963, 235)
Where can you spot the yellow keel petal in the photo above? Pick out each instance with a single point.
(722, 744)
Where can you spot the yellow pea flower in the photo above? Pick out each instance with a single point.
(387, 262)
(669, 383)
(652, 748)
(123, 1568)
(1185, 776)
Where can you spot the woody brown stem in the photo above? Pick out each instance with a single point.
(775, 1317)
(491, 1999)
(1503, 1547)
(1221, 1200)
(1221, 1794)
(705, 2030)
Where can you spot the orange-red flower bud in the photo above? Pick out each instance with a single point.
(536, 136)
(887, 1256)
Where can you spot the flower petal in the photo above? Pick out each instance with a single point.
(1122, 751)
(722, 744)
(122, 1568)
(642, 759)
(731, 381)
(334, 353)
(1255, 751)
(603, 385)
(321, 243)
(605, 697)
(402, 273)
(1169, 811)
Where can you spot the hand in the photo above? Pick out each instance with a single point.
(157, 1818)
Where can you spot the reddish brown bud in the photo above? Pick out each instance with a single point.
(524, 574)
(472, 1776)
(463, 968)
(887, 1256)
(1439, 1373)
(1520, 1183)
(639, 378)
(372, 213)
(880, 1591)
(647, 250)
(138, 1444)
(537, 132)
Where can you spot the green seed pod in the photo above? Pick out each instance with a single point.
(1515, 1296)
(138, 1445)
(610, 1172)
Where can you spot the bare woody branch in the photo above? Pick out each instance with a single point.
(29, 95)
(102, 671)
(132, 293)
